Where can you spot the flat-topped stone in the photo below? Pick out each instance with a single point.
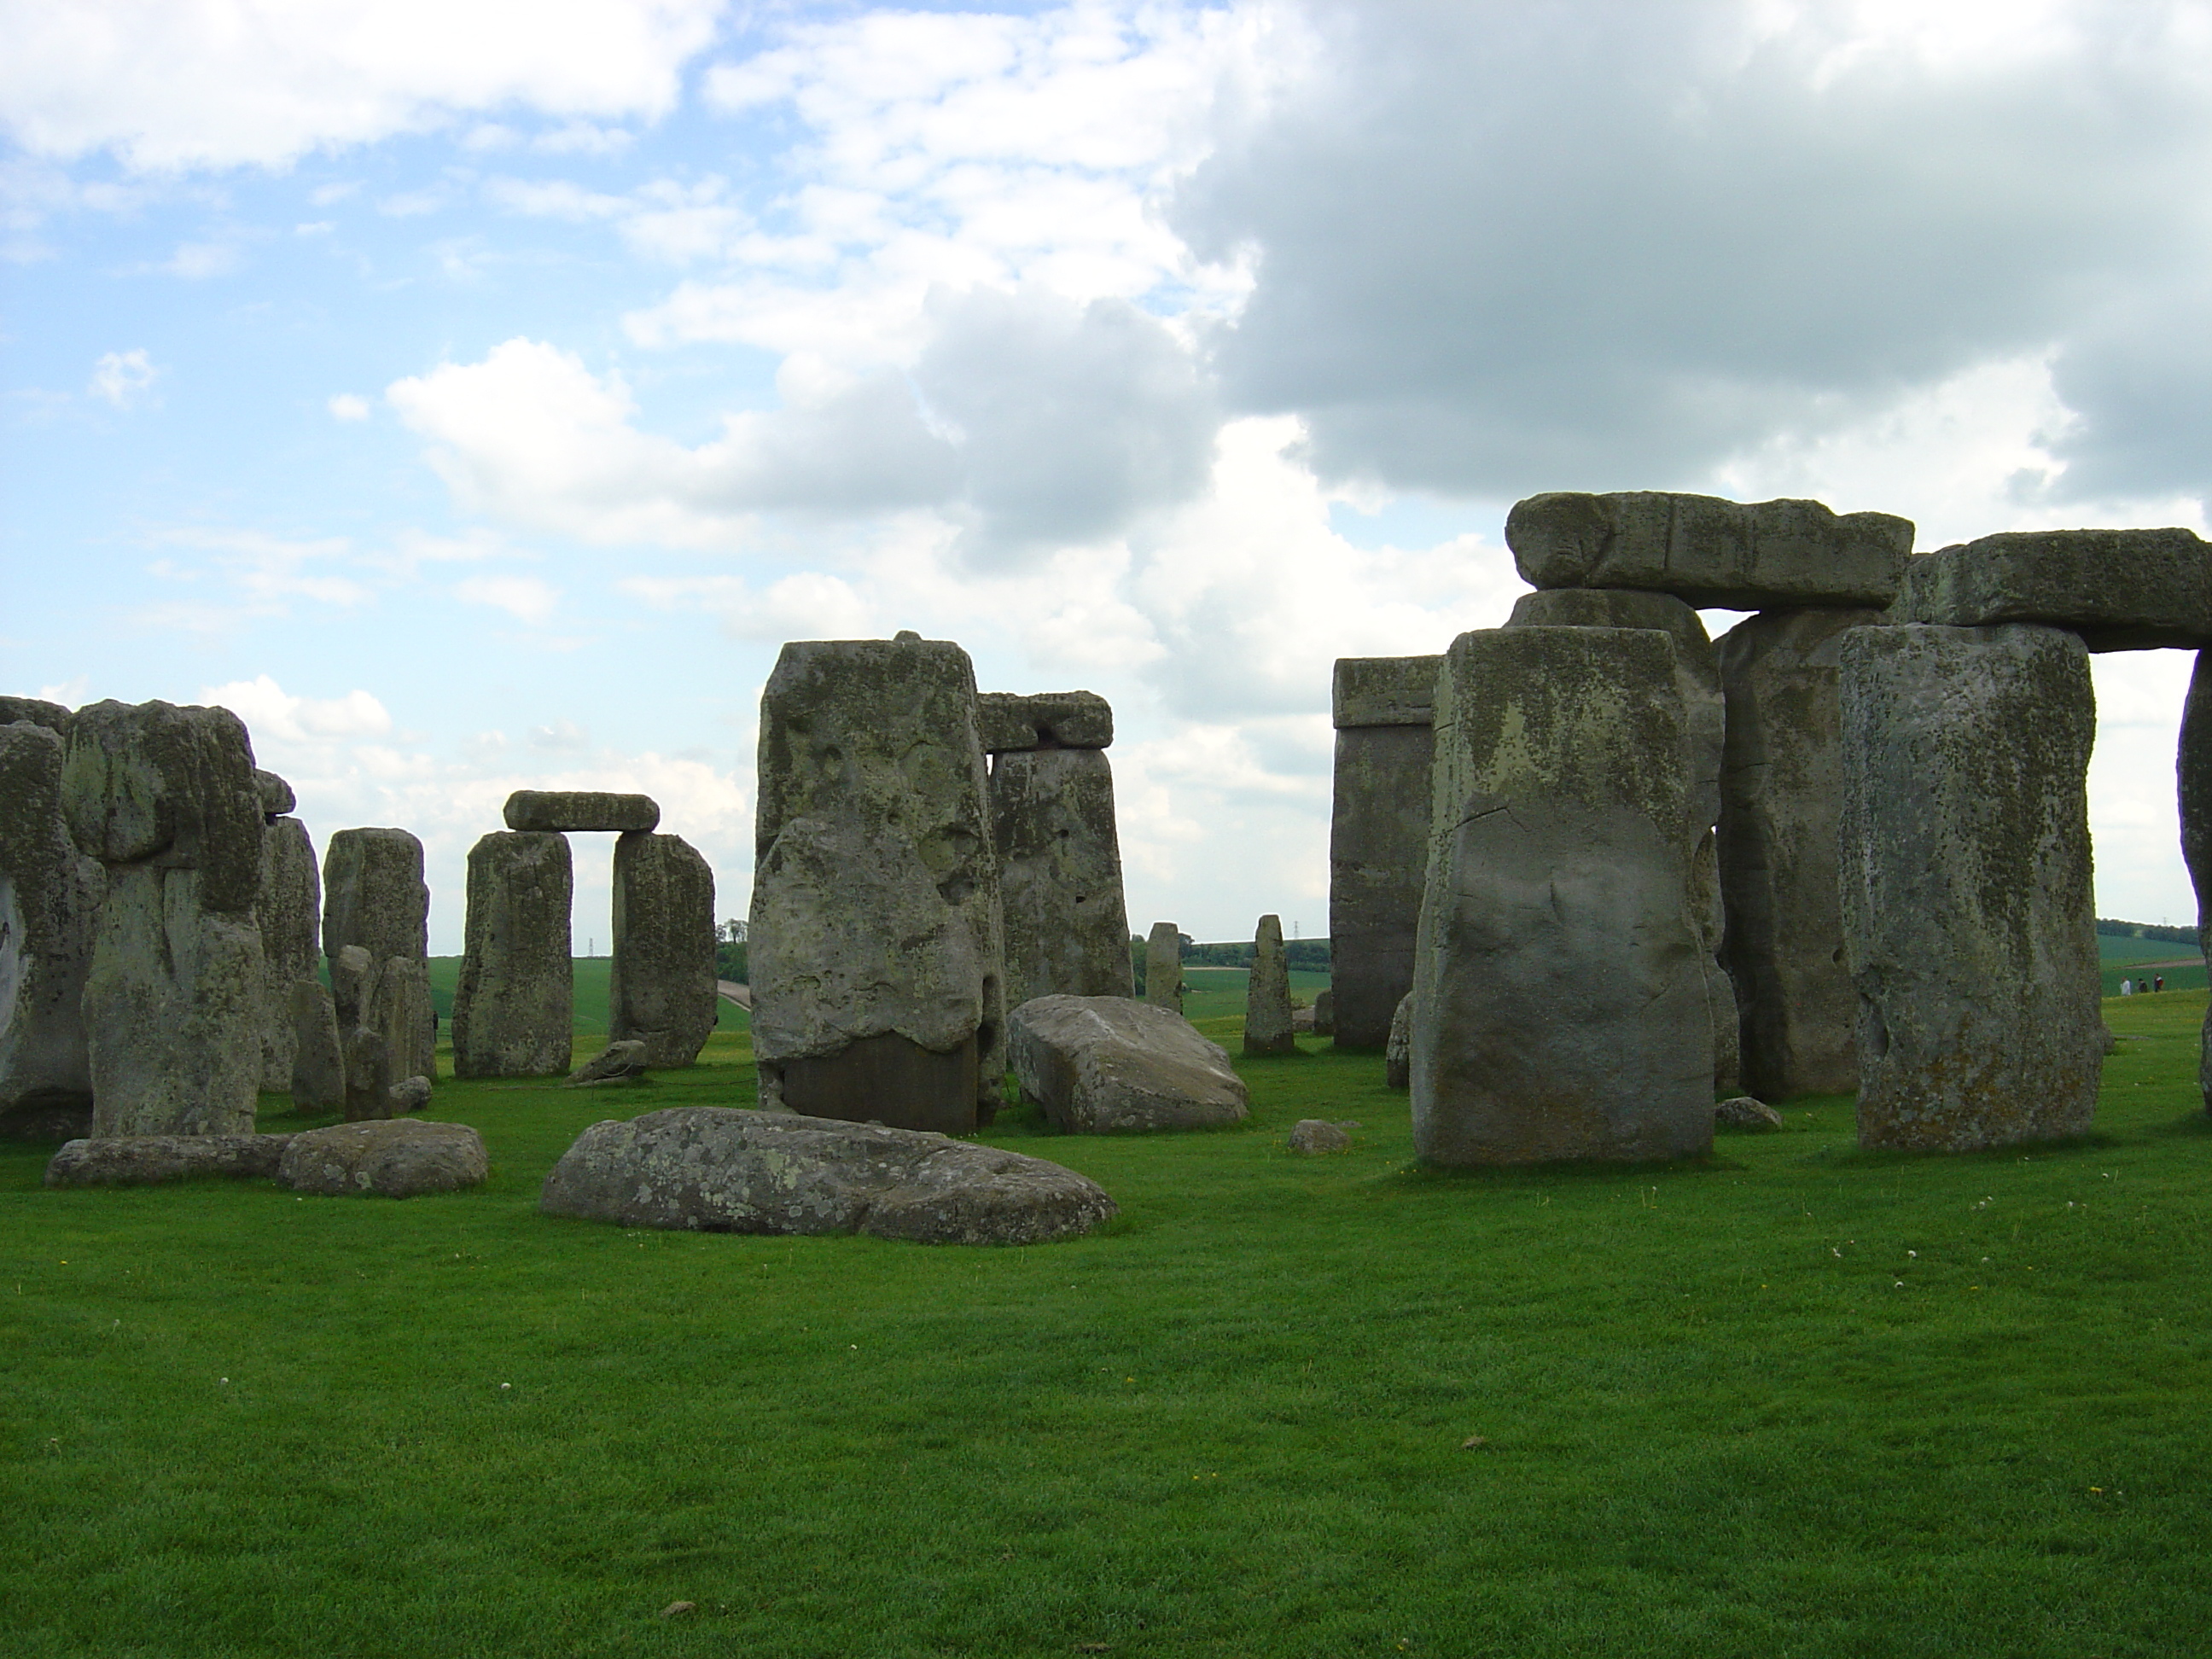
(1384, 692)
(1745, 556)
(1012, 721)
(2121, 590)
(581, 810)
(155, 1160)
(390, 1157)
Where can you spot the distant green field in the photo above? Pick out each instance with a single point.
(591, 1015)
(1219, 993)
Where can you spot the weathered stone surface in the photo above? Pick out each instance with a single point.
(353, 986)
(1314, 1135)
(409, 1096)
(514, 1001)
(1059, 874)
(288, 911)
(1267, 994)
(622, 1061)
(1163, 967)
(317, 1081)
(373, 895)
(38, 712)
(2121, 590)
(1383, 691)
(1742, 1112)
(1725, 1016)
(581, 810)
(2193, 775)
(1324, 1013)
(1008, 722)
(393, 1158)
(369, 1075)
(660, 991)
(1781, 793)
(1968, 916)
(877, 963)
(1378, 838)
(1743, 555)
(709, 1169)
(1097, 1065)
(153, 1160)
(1561, 1008)
(156, 785)
(274, 794)
(1398, 1054)
(49, 896)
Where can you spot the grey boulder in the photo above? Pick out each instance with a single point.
(1097, 1065)
(393, 1158)
(1742, 1112)
(712, 1168)
(1314, 1135)
(153, 1160)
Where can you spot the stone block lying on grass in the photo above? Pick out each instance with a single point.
(1100, 1064)
(1314, 1135)
(618, 1062)
(152, 1160)
(713, 1168)
(393, 1158)
(1742, 1112)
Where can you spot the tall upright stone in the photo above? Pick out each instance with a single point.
(50, 896)
(1968, 912)
(1163, 967)
(2193, 780)
(374, 896)
(288, 910)
(1781, 794)
(1059, 874)
(1559, 1006)
(878, 964)
(1378, 837)
(514, 1004)
(1267, 995)
(165, 798)
(661, 989)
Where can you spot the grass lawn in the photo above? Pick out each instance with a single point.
(591, 996)
(1798, 1400)
(2127, 958)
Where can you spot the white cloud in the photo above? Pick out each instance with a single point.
(195, 261)
(527, 598)
(349, 406)
(268, 709)
(123, 378)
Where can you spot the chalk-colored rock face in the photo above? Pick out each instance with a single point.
(288, 911)
(2121, 590)
(50, 894)
(1967, 910)
(581, 810)
(513, 1003)
(1011, 720)
(2193, 769)
(877, 961)
(1267, 994)
(1744, 555)
(1163, 967)
(1378, 837)
(661, 990)
(373, 895)
(708, 1168)
(394, 1157)
(1100, 1065)
(1560, 1003)
(1059, 874)
(1781, 794)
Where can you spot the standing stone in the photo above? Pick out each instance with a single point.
(1398, 1054)
(1059, 874)
(165, 798)
(1267, 995)
(50, 896)
(661, 989)
(877, 965)
(373, 896)
(1968, 914)
(1163, 967)
(1781, 793)
(1324, 1013)
(318, 1079)
(1378, 837)
(1560, 1003)
(515, 1006)
(2193, 776)
(288, 911)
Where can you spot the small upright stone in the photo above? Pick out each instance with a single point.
(1397, 1057)
(514, 1007)
(660, 991)
(1267, 995)
(317, 1081)
(49, 896)
(1163, 967)
(581, 810)
(1379, 836)
(288, 912)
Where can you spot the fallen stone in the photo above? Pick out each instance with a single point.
(1009, 721)
(1066, 928)
(1313, 1135)
(581, 811)
(1378, 838)
(710, 1168)
(50, 896)
(1740, 555)
(2121, 590)
(1968, 917)
(152, 1160)
(660, 989)
(36, 711)
(1397, 1057)
(274, 794)
(373, 895)
(1164, 968)
(393, 1158)
(514, 1004)
(1267, 995)
(618, 1062)
(1101, 1064)
(1742, 1112)
(408, 1096)
(288, 911)
(318, 1083)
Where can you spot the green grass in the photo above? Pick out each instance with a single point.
(591, 1005)
(1798, 1400)
(1219, 993)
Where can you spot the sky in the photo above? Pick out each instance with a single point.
(473, 395)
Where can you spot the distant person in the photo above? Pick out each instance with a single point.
(2157, 982)
(2127, 987)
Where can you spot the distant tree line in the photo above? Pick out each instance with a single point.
(2145, 930)
(730, 952)
(1234, 953)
